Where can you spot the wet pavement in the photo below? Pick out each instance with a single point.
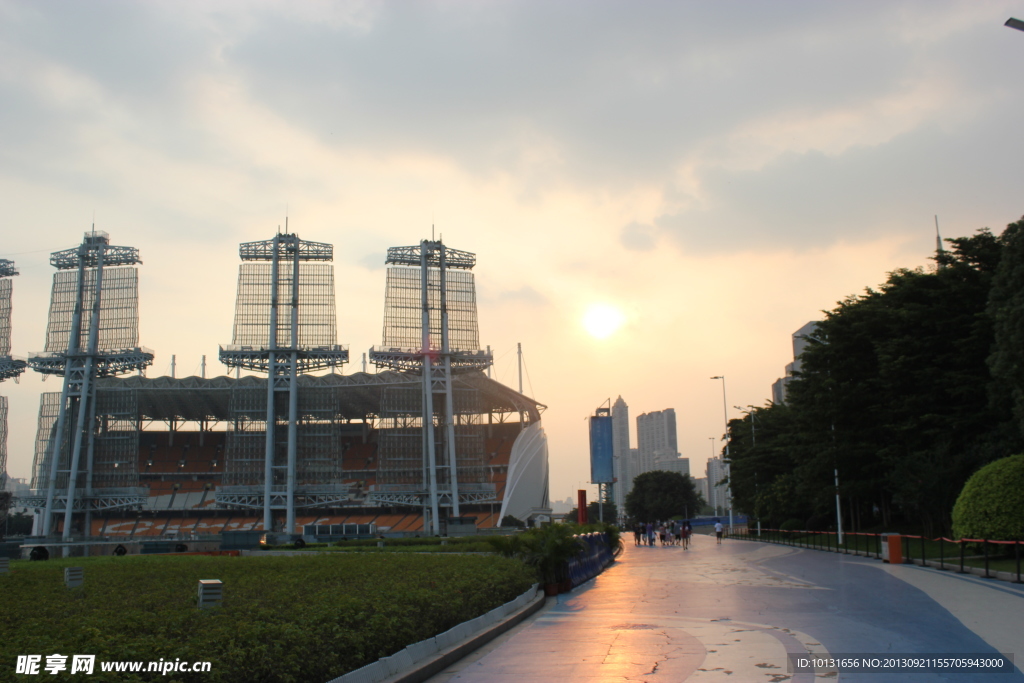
(733, 612)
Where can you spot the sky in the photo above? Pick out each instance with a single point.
(657, 192)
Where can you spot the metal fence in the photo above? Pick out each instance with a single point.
(870, 544)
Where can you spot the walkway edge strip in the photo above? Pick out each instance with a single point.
(435, 654)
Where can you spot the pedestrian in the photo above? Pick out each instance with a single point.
(637, 533)
(650, 533)
(718, 531)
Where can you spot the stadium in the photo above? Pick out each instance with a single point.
(426, 441)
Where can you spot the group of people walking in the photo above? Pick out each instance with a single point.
(672, 532)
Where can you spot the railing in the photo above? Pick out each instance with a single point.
(592, 561)
(868, 544)
(325, 348)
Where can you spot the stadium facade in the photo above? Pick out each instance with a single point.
(10, 368)
(426, 439)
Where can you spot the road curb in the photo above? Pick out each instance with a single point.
(420, 661)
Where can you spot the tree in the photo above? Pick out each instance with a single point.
(1006, 310)
(894, 393)
(610, 512)
(762, 455)
(17, 524)
(661, 495)
(510, 521)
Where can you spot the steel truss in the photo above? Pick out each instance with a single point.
(105, 363)
(411, 360)
(133, 498)
(253, 497)
(10, 367)
(283, 346)
(85, 464)
(308, 359)
(421, 497)
(430, 457)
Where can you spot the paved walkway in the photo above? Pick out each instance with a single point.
(732, 612)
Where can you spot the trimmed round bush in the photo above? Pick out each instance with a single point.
(991, 504)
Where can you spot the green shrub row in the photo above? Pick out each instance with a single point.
(419, 542)
(284, 619)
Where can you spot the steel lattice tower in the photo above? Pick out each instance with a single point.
(300, 341)
(430, 329)
(92, 332)
(10, 367)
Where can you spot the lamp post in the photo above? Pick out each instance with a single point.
(753, 424)
(835, 462)
(711, 486)
(1015, 23)
(728, 465)
(754, 443)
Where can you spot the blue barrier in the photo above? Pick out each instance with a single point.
(592, 559)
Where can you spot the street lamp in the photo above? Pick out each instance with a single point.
(1015, 23)
(728, 465)
(835, 461)
(753, 444)
(753, 424)
(707, 478)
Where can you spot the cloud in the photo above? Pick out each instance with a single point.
(812, 200)
(637, 236)
(759, 124)
(525, 295)
(372, 261)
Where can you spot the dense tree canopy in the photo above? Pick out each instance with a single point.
(596, 512)
(895, 393)
(661, 495)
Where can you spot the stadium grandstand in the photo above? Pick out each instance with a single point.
(425, 439)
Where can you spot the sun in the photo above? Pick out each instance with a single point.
(602, 320)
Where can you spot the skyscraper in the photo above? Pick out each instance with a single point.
(655, 437)
(779, 387)
(718, 494)
(620, 454)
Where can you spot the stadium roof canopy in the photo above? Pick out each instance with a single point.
(357, 395)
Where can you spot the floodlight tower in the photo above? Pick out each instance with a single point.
(283, 346)
(10, 367)
(421, 338)
(93, 332)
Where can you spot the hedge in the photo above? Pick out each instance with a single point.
(284, 619)
(991, 504)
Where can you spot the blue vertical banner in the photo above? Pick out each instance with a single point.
(601, 468)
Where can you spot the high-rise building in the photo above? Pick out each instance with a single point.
(620, 453)
(672, 463)
(718, 493)
(634, 466)
(701, 485)
(779, 387)
(655, 437)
